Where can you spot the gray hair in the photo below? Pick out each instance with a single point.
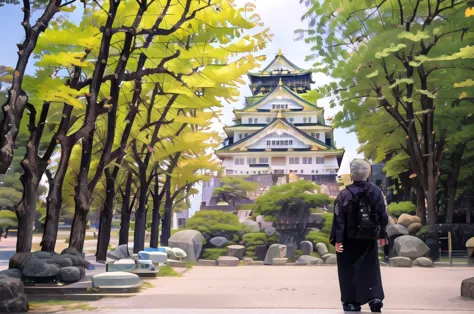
(360, 169)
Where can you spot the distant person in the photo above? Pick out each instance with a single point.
(360, 219)
(1, 233)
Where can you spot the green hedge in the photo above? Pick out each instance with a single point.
(397, 209)
(213, 253)
(8, 218)
(212, 223)
(320, 237)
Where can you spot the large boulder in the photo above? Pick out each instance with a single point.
(322, 249)
(423, 262)
(73, 251)
(75, 260)
(411, 247)
(269, 230)
(400, 262)
(260, 252)
(116, 280)
(41, 268)
(12, 296)
(467, 288)
(279, 261)
(252, 225)
(179, 253)
(470, 249)
(236, 251)
(307, 247)
(64, 262)
(405, 220)
(414, 228)
(397, 229)
(218, 241)
(69, 274)
(12, 272)
(190, 241)
(329, 259)
(44, 255)
(120, 252)
(309, 260)
(19, 260)
(275, 251)
(228, 261)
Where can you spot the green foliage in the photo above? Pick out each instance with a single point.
(327, 223)
(8, 218)
(213, 253)
(233, 187)
(396, 209)
(167, 271)
(213, 223)
(253, 239)
(320, 237)
(300, 192)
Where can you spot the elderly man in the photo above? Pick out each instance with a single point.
(360, 219)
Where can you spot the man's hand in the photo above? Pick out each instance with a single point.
(383, 242)
(339, 247)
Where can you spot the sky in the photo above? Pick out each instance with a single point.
(281, 16)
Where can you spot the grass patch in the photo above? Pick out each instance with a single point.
(147, 285)
(168, 271)
(44, 306)
(190, 265)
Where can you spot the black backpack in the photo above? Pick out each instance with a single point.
(363, 213)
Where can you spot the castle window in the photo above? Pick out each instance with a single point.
(263, 160)
(269, 120)
(239, 161)
(294, 160)
(307, 160)
(252, 161)
(319, 160)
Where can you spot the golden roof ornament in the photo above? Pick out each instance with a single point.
(280, 83)
(280, 52)
(279, 115)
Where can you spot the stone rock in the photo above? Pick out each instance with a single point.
(236, 251)
(73, 251)
(397, 229)
(248, 261)
(205, 262)
(391, 220)
(411, 247)
(400, 262)
(306, 247)
(309, 260)
(470, 250)
(169, 251)
(12, 296)
(179, 253)
(330, 259)
(119, 253)
(38, 268)
(64, 262)
(414, 228)
(69, 274)
(88, 266)
(423, 262)
(258, 263)
(252, 225)
(125, 261)
(405, 220)
(188, 240)
(44, 255)
(144, 264)
(322, 249)
(75, 260)
(275, 251)
(12, 272)
(218, 241)
(383, 264)
(116, 280)
(177, 264)
(291, 250)
(19, 260)
(228, 261)
(157, 257)
(260, 252)
(415, 219)
(269, 230)
(467, 288)
(82, 271)
(279, 261)
(470, 243)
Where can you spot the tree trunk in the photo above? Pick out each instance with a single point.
(155, 224)
(420, 202)
(55, 198)
(140, 214)
(126, 211)
(82, 201)
(106, 216)
(452, 182)
(17, 100)
(26, 212)
(468, 210)
(166, 225)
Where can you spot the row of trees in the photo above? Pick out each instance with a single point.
(119, 109)
(403, 76)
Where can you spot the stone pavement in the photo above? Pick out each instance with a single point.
(407, 290)
(264, 311)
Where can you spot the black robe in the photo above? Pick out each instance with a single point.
(358, 265)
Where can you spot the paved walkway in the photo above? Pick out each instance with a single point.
(267, 287)
(266, 311)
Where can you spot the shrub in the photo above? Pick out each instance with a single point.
(212, 223)
(327, 223)
(396, 209)
(213, 253)
(132, 225)
(320, 237)
(8, 218)
(253, 239)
